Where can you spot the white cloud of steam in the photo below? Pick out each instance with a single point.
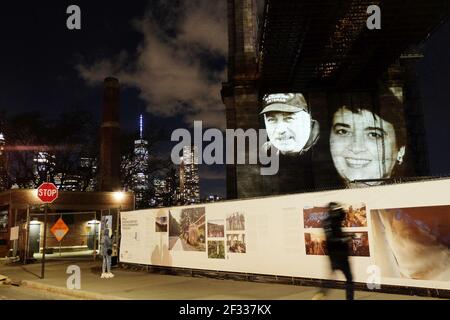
(169, 68)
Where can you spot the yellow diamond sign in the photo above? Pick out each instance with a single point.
(59, 229)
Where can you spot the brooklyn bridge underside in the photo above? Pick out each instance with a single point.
(308, 43)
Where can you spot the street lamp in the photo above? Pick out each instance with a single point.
(119, 196)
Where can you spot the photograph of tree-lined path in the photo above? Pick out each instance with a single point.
(187, 229)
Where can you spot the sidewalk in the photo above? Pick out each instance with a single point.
(140, 285)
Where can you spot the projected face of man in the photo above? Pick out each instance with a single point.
(362, 145)
(288, 131)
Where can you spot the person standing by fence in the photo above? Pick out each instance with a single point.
(106, 253)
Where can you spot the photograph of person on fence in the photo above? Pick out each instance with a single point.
(235, 221)
(315, 243)
(236, 243)
(216, 228)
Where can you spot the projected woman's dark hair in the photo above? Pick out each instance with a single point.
(367, 144)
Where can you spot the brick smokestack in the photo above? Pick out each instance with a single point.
(110, 137)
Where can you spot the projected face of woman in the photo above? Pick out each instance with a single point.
(362, 145)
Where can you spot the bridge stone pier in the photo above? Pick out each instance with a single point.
(240, 94)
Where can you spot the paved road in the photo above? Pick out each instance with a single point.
(21, 293)
(141, 285)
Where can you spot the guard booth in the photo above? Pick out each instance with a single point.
(75, 221)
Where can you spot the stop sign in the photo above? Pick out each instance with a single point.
(47, 192)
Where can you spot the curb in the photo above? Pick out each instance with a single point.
(85, 295)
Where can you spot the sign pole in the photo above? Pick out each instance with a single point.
(45, 242)
(27, 247)
(47, 193)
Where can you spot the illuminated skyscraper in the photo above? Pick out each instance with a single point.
(67, 182)
(189, 179)
(83, 180)
(88, 167)
(140, 168)
(160, 187)
(43, 166)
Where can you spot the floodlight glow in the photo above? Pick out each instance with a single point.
(119, 196)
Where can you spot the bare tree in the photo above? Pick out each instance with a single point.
(62, 141)
(24, 135)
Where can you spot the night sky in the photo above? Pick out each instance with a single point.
(170, 57)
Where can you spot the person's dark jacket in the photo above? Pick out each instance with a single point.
(337, 241)
(106, 243)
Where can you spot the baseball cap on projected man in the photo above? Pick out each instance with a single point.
(284, 102)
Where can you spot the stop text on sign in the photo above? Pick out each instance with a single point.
(47, 192)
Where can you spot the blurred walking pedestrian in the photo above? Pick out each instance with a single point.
(338, 248)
